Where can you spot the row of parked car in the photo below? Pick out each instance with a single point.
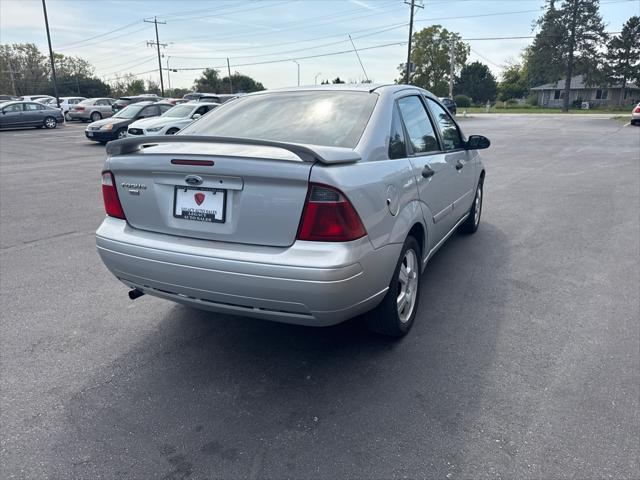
(42, 111)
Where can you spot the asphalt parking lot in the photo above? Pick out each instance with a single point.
(523, 362)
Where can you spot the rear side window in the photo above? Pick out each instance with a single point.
(336, 118)
(449, 130)
(421, 132)
(397, 145)
(33, 107)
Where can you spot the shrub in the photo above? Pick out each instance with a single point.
(462, 100)
(511, 102)
(533, 99)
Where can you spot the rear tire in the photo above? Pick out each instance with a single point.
(472, 222)
(50, 122)
(394, 316)
(67, 117)
(172, 131)
(95, 116)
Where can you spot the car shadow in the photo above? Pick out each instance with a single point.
(216, 396)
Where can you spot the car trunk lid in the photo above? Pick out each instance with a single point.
(243, 193)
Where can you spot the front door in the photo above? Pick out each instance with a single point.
(12, 115)
(457, 157)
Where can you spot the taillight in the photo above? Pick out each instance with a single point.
(637, 110)
(328, 216)
(110, 196)
(80, 109)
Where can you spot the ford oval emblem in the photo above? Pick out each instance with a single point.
(193, 180)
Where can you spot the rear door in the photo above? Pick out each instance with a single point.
(457, 157)
(434, 175)
(232, 193)
(34, 114)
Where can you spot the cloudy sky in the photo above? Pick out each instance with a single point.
(262, 38)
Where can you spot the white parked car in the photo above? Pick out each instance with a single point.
(34, 98)
(66, 103)
(170, 122)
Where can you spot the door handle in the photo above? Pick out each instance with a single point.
(459, 165)
(427, 171)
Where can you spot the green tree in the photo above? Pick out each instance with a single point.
(585, 34)
(209, 82)
(24, 69)
(543, 58)
(152, 87)
(623, 55)
(431, 52)
(241, 84)
(477, 81)
(514, 83)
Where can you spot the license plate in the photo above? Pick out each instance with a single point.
(89, 134)
(200, 204)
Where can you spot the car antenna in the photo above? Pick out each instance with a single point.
(357, 55)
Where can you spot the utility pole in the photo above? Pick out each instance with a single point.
(229, 70)
(157, 44)
(295, 61)
(53, 66)
(408, 66)
(452, 59)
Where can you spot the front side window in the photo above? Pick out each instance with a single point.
(448, 129)
(150, 111)
(421, 133)
(397, 145)
(179, 111)
(336, 118)
(16, 107)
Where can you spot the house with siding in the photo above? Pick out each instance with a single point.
(552, 94)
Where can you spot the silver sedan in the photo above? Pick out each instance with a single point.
(307, 206)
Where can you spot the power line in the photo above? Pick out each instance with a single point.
(296, 58)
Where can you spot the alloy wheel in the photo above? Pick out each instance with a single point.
(407, 285)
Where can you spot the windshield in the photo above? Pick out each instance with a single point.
(331, 118)
(129, 112)
(179, 111)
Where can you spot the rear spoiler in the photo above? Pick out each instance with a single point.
(306, 153)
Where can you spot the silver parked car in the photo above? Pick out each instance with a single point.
(92, 109)
(308, 206)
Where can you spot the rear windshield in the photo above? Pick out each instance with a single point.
(320, 118)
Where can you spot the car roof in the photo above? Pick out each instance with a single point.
(349, 87)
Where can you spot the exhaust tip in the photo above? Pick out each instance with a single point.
(135, 293)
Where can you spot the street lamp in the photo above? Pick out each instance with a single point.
(298, 70)
(315, 79)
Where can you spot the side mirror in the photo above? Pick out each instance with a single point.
(478, 142)
(196, 115)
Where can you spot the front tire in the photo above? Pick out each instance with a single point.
(50, 122)
(172, 131)
(122, 133)
(95, 116)
(472, 222)
(395, 315)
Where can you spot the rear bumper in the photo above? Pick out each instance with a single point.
(308, 283)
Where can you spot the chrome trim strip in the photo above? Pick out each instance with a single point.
(443, 213)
